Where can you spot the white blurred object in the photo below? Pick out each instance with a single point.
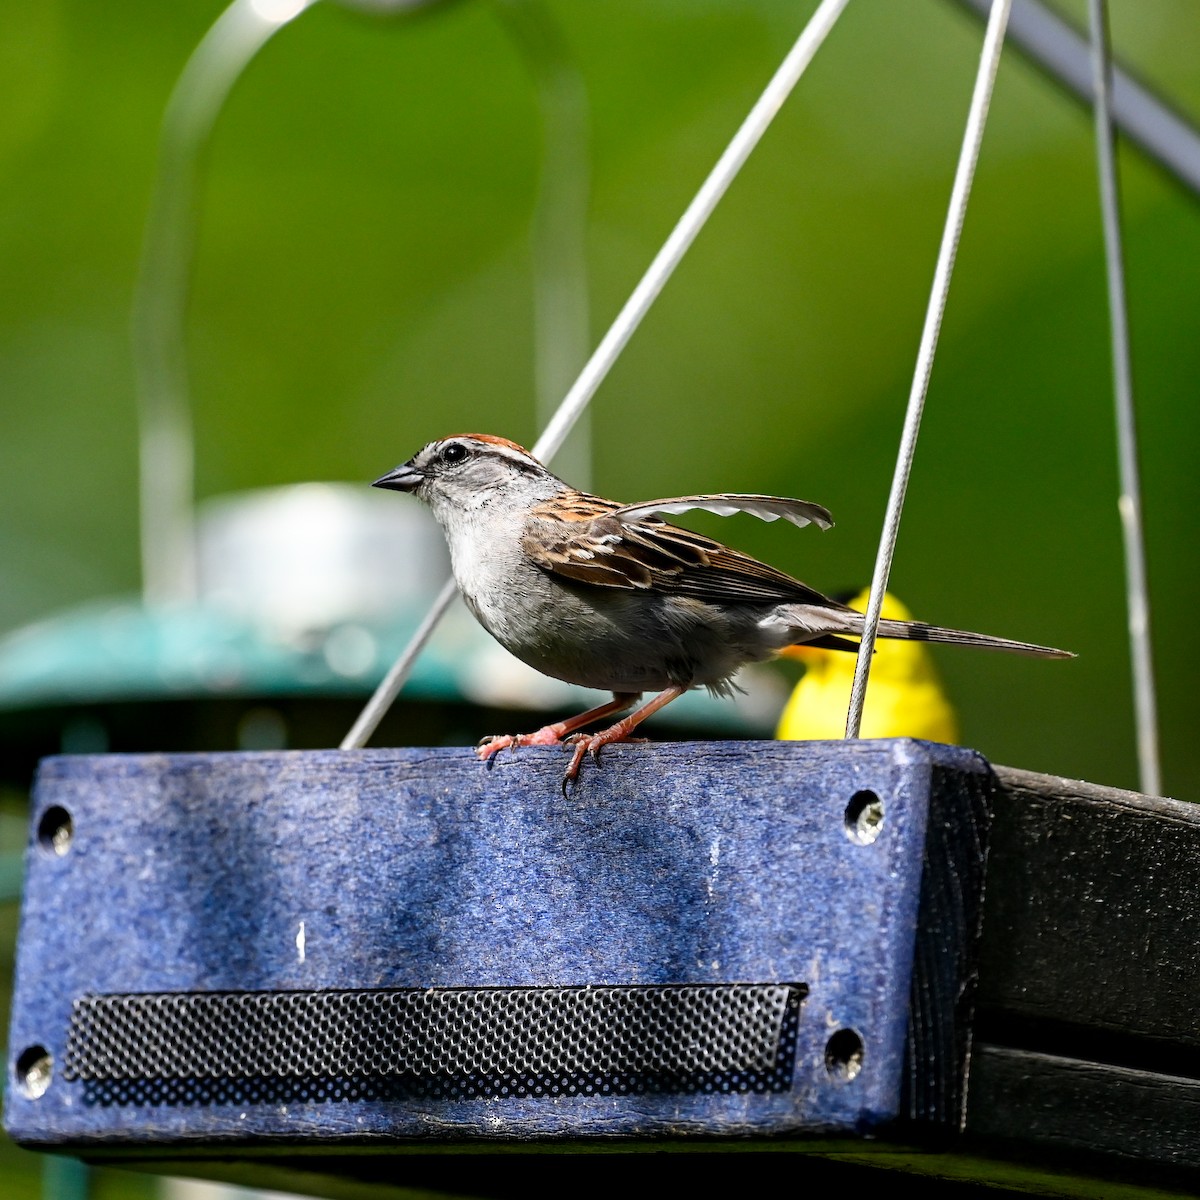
(202, 1189)
(302, 559)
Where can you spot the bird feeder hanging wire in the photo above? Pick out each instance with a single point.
(985, 79)
(626, 322)
(1129, 503)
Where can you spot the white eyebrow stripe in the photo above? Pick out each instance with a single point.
(521, 459)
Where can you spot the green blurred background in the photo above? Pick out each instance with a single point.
(363, 283)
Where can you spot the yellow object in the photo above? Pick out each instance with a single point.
(904, 695)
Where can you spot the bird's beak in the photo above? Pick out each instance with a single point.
(404, 478)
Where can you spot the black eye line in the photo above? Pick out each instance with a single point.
(527, 468)
(467, 452)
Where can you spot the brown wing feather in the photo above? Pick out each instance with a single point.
(584, 542)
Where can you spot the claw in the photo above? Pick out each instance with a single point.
(493, 745)
(581, 742)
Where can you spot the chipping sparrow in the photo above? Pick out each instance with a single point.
(610, 596)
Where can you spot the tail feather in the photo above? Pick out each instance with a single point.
(919, 631)
(828, 625)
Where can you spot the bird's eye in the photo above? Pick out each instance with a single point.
(453, 454)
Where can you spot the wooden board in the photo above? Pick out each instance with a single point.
(1087, 1037)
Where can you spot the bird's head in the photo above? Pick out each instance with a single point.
(471, 470)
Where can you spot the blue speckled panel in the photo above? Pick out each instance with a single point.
(673, 864)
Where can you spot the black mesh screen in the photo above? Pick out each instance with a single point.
(447, 1043)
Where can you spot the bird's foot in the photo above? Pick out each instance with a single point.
(592, 743)
(549, 735)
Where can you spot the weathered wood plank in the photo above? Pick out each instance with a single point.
(945, 972)
(1048, 1102)
(1091, 901)
(1087, 1034)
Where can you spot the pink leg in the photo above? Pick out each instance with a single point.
(552, 735)
(592, 743)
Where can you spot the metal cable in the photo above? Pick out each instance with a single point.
(1144, 118)
(1129, 504)
(688, 226)
(989, 61)
(389, 686)
(629, 318)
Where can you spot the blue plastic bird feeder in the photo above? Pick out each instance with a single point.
(261, 949)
